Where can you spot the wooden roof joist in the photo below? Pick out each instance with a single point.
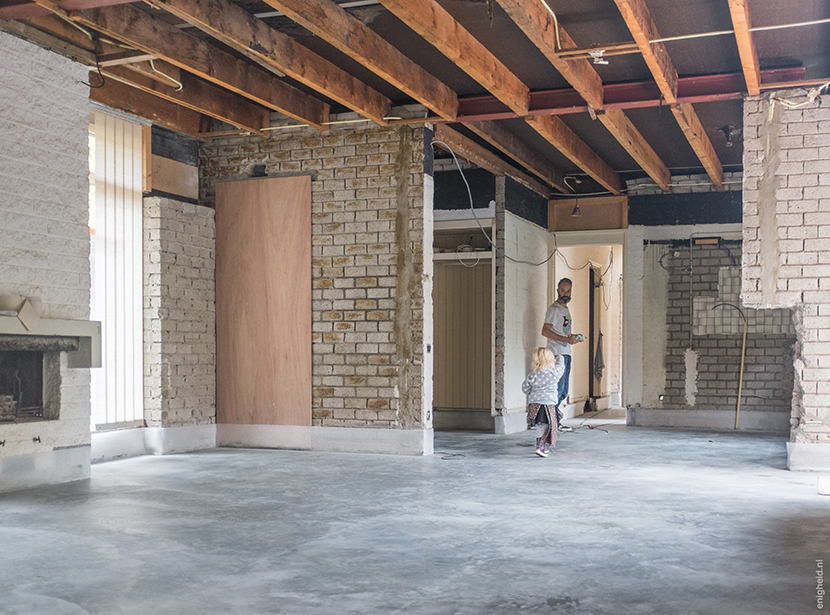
(440, 29)
(453, 141)
(199, 96)
(638, 19)
(339, 28)
(234, 26)
(163, 40)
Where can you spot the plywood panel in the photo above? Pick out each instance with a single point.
(462, 308)
(174, 177)
(596, 213)
(263, 301)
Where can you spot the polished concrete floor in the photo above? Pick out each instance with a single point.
(617, 521)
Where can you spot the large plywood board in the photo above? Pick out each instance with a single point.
(263, 301)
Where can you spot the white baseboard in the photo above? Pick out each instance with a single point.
(48, 468)
(778, 422)
(339, 439)
(109, 445)
(805, 457)
(512, 421)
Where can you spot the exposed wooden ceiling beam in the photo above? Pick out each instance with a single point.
(742, 22)
(199, 96)
(240, 30)
(48, 41)
(471, 151)
(629, 137)
(440, 29)
(161, 112)
(163, 40)
(339, 28)
(638, 19)
(539, 26)
(689, 122)
(505, 141)
(565, 140)
(28, 10)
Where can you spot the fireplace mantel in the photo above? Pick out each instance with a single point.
(88, 333)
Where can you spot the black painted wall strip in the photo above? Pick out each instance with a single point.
(691, 208)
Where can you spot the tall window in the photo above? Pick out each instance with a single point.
(116, 266)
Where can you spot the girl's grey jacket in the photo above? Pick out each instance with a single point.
(542, 387)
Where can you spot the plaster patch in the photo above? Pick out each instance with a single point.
(691, 357)
(767, 187)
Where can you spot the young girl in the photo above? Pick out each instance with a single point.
(541, 388)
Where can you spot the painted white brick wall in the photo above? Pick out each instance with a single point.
(44, 169)
(787, 239)
(179, 314)
(526, 288)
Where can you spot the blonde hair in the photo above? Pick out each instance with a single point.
(543, 359)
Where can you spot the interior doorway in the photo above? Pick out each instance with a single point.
(596, 307)
(464, 328)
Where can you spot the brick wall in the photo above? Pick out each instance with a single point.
(787, 239)
(44, 170)
(368, 263)
(767, 381)
(179, 314)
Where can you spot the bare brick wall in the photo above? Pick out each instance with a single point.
(768, 376)
(44, 215)
(367, 268)
(179, 314)
(787, 239)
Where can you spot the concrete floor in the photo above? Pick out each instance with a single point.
(625, 522)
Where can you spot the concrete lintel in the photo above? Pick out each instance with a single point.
(778, 422)
(807, 457)
(47, 468)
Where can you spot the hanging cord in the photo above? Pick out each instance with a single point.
(472, 209)
(168, 77)
(812, 96)
(96, 40)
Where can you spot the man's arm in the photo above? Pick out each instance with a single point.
(548, 332)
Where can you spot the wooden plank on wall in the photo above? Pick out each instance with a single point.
(263, 301)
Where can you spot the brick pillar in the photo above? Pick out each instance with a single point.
(787, 248)
(179, 314)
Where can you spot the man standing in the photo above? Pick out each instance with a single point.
(557, 329)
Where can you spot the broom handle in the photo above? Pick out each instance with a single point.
(741, 379)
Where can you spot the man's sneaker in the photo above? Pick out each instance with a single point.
(541, 452)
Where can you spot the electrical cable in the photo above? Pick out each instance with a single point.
(478, 222)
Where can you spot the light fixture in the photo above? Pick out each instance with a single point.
(576, 213)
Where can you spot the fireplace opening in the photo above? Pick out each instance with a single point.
(30, 376)
(21, 386)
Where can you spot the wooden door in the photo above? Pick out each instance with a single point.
(263, 301)
(462, 307)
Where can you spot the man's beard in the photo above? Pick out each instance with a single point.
(564, 300)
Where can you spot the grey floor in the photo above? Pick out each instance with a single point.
(619, 520)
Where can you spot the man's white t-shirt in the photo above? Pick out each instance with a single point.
(559, 317)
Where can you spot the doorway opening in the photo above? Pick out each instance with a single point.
(596, 306)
